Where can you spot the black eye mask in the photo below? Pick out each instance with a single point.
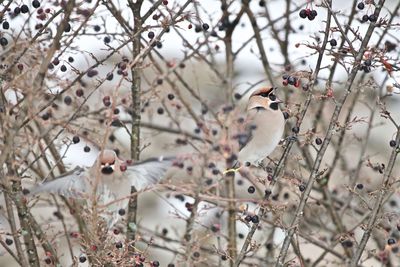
(274, 106)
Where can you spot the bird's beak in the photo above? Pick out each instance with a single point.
(277, 100)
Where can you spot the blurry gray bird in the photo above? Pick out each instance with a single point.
(264, 127)
(113, 178)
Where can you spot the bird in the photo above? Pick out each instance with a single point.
(112, 178)
(263, 128)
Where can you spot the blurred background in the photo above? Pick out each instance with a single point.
(194, 91)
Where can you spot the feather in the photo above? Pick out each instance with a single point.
(149, 172)
(72, 184)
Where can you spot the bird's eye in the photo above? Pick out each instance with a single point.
(263, 94)
(272, 97)
(109, 163)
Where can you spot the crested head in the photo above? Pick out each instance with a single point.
(108, 156)
(264, 98)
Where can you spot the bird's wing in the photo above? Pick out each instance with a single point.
(246, 134)
(149, 172)
(71, 185)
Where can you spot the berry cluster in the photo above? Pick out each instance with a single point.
(252, 218)
(287, 79)
(366, 66)
(308, 13)
(371, 18)
(365, 18)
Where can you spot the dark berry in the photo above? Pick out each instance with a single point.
(291, 80)
(160, 110)
(106, 101)
(47, 260)
(121, 212)
(197, 28)
(56, 61)
(107, 40)
(165, 2)
(82, 259)
(76, 139)
(171, 265)
(79, 92)
(97, 28)
(360, 5)
(24, 9)
(86, 149)
(46, 116)
(151, 35)
(215, 228)
(255, 219)
(333, 42)
(155, 264)
(373, 18)
(6, 25)
(368, 62)
(118, 244)
(296, 129)
(215, 171)
(392, 143)
(160, 81)
(360, 186)
(67, 27)
(302, 187)
(318, 141)
(70, 59)
(9, 241)
(303, 14)
(63, 68)
(110, 76)
(251, 189)
(314, 13)
(365, 18)
(205, 26)
(170, 96)
(159, 44)
(391, 241)
(3, 41)
(35, 3)
(67, 100)
(92, 72)
(347, 243)
(17, 10)
(248, 218)
(268, 192)
(237, 96)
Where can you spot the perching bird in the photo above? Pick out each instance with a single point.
(113, 178)
(264, 127)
